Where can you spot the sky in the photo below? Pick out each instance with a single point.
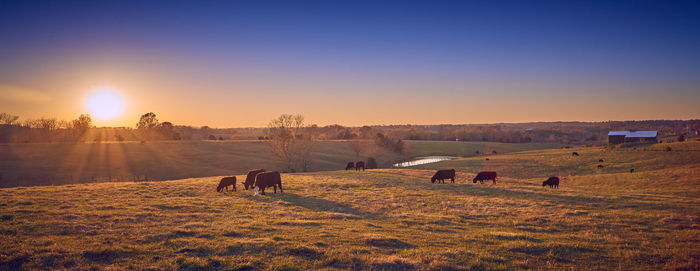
(242, 63)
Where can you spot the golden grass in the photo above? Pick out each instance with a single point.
(70, 163)
(392, 219)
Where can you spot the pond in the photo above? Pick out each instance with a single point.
(424, 160)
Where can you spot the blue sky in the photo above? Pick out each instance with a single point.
(384, 61)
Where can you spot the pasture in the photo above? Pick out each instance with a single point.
(69, 163)
(385, 219)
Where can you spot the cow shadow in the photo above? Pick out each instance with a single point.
(312, 203)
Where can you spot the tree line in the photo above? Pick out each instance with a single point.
(12, 129)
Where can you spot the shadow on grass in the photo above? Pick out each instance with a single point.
(105, 256)
(506, 237)
(563, 251)
(388, 243)
(503, 191)
(311, 203)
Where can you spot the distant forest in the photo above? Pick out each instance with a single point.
(15, 130)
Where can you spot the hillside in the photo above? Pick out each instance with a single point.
(64, 163)
(390, 219)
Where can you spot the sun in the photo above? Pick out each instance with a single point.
(105, 104)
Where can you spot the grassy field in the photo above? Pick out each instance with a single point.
(66, 163)
(386, 219)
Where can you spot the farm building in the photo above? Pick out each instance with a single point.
(619, 137)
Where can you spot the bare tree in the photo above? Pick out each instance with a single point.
(64, 124)
(48, 124)
(83, 122)
(291, 141)
(80, 126)
(357, 146)
(8, 119)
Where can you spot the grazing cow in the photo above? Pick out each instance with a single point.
(350, 165)
(553, 182)
(485, 175)
(442, 175)
(631, 170)
(600, 160)
(574, 154)
(250, 178)
(360, 165)
(601, 166)
(225, 182)
(487, 159)
(268, 179)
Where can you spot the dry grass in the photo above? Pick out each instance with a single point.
(379, 219)
(71, 163)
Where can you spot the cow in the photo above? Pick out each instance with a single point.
(485, 175)
(487, 159)
(553, 182)
(442, 175)
(268, 179)
(350, 165)
(360, 165)
(631, 170)
(601, 160)
(601, 166)
(574, 154)
(250, 178)
(225, 183)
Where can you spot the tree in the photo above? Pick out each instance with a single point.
(8, 119)
(147, 121)
(387, 143)
(291, 141)
(356, 146)
(48, 124)
(366, 132)
(167, 130)
(371, 163)
(83, 122)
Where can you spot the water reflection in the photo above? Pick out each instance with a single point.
(424, 160)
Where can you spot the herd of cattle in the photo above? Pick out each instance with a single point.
(259, 179)
(356, 165)
(444, 174)
(600, 166)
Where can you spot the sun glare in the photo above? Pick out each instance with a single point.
(105, 104)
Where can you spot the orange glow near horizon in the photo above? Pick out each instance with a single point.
(105, 105)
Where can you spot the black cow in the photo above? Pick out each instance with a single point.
(631, 170)
(485, 175)
(601, 166)
(250, 178)
(553, 182)
(268, 179)
(600, 160)
(487, 159)
(225, 183)
(350, 165)
(442, 175)
(360, 165)
(574, 154)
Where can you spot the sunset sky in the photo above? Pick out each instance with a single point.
(242, 63)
